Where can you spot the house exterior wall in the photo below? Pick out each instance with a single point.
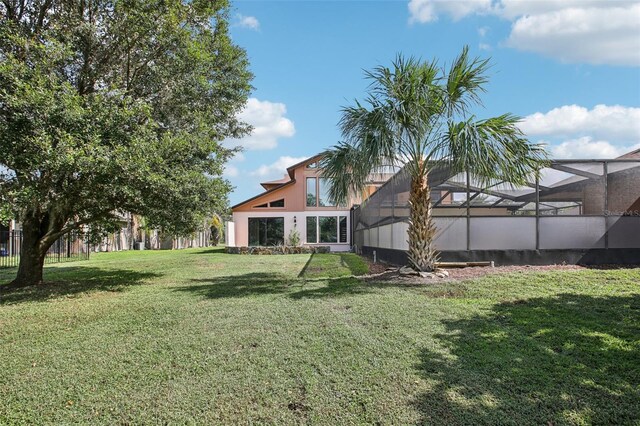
(295, 210)
(292, 220)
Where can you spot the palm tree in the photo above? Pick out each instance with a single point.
(417, 114)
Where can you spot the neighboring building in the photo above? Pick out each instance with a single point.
(296, 203)
(133, 236)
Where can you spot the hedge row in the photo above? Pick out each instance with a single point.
(278, 250)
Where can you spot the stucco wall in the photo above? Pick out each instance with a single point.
(241, 225)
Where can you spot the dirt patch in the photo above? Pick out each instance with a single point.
(461, 274)
(376, 268)
(381, 272)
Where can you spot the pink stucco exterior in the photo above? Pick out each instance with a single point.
(293, 190)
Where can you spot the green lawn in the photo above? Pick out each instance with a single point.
(198, 336)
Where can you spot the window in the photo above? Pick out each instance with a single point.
(277, 203)
(311, 192)
(266, 231)
(343, 229)
(313, 165)
(312, 229)
(261, 206)
(328, 229)
(318, 192)
(323, 200)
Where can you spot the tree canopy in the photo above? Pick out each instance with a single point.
(110, 106)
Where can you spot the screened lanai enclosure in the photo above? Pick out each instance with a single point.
(585, 212)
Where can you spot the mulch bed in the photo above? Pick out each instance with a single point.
(385, 272)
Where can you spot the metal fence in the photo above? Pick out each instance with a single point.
(573, 204)
(69, 247)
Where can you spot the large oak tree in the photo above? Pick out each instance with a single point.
(110, 106)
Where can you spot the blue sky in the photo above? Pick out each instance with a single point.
(570, 68)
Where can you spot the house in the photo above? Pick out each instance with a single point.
(297, 203)
(575, 211)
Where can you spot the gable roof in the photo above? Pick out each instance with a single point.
(270, 191)
(273, 183)
(633, 154)
(290, 169)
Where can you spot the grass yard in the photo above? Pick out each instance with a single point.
(198, 336)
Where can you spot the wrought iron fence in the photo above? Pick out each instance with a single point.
(69, 247)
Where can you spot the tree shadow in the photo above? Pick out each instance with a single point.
(327, 265)
(306, 266)
(230, 286)
(330, 287)
(354, 263)
(77, 280)
(259, 283)
(211, 250)
(567, 359)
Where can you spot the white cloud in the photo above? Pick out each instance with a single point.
(250, 22)
(605, 131)
(610, 122)
(423, 11)
(482, 31)
(594, 35)
(595, 31)
(484, 46)
(269, 124)
(278, 168)
(512, 9)
(585, 147)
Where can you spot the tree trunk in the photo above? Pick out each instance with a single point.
(422, 255)
(32, 254)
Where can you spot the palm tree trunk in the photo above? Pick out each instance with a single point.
(422, 255)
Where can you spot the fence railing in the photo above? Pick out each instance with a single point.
(69, 247)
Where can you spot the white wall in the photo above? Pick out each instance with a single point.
(571, 232)
(241, 225)
(503, 233)
(229, 234)
(515, 233)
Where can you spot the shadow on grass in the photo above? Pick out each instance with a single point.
(567, 359)
(330, 287)
(211, 250)
(258, 283)
(330, 264)
(354, 263)
(305, 268)
(255, 283)
(68, 281)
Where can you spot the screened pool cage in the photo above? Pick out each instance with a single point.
(576, 212)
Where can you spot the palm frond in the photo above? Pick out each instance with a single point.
(493, 148)
(465, 83)
(343, 165)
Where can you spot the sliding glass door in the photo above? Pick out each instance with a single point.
(266, 231)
